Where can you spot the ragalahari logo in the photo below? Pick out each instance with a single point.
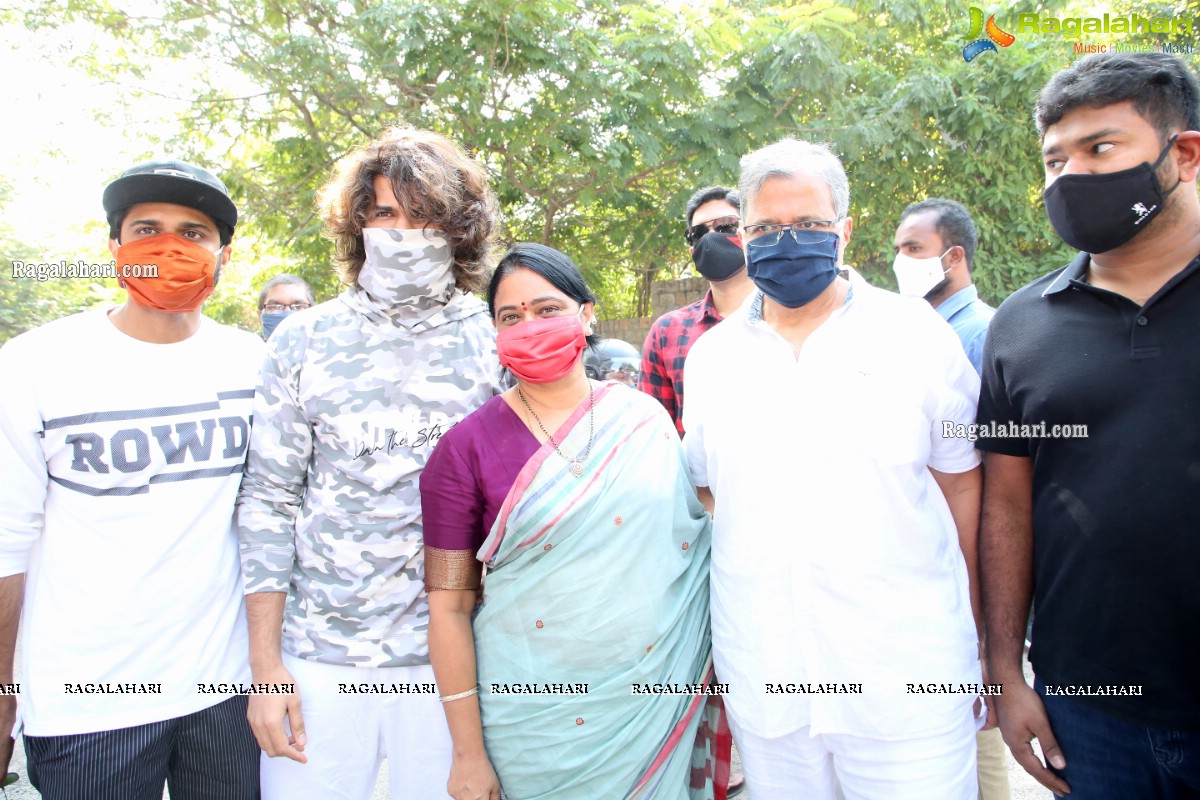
(994, 34)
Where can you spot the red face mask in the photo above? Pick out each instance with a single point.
(542, 350)
(186, 272)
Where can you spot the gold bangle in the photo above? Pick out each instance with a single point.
(446, 698)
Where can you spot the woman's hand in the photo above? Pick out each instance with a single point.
(472, 778)
(452, 654)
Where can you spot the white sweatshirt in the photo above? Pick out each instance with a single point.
(121, 461)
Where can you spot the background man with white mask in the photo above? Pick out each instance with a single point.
(935, 254)
(353, 397)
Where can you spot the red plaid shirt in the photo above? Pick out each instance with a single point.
(671, 337)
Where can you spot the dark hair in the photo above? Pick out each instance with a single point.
(434, 180)
(556, 267)
(708, 194)
(1160, 86)
(953, 223)
(117, 219)
(281, 279)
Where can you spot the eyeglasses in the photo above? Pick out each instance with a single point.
(812, 231)
(727, 224)
(275, 308)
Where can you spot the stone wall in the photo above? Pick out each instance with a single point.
(664, 296)
(669, 295)
(631, 329)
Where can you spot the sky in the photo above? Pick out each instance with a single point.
(56, 155)
(78, 133)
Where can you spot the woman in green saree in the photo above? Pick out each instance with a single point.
(586, 669)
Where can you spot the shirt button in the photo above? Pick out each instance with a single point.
(1143, 321)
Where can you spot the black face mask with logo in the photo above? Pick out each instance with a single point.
(1097, 213)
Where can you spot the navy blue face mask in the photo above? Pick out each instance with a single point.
(794, 270)
(271, 320)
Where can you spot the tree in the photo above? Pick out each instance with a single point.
(26, 302)
(911, 119)
(581, 111)
(597, 118)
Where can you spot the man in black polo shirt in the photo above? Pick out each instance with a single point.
(1104, 531)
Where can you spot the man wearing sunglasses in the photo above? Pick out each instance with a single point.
(844, 609)
(712, 238)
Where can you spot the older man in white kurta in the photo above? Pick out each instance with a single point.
(842, 613)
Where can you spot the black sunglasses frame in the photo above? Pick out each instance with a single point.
(721, 225)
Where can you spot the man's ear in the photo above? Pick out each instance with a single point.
(847, 230)
(113, 246)
(221, 263)
(1187, 148)
(957, 256)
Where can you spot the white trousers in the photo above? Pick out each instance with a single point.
(349, 735)
(799, 766)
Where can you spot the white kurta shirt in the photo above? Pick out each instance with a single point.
(835, 556)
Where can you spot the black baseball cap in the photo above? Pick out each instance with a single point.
(170, 182)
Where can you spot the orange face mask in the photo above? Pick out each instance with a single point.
(186, 272)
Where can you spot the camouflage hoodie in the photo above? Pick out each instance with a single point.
(352, 398)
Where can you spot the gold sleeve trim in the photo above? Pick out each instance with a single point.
(451, 569)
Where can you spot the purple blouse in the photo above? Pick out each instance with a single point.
(467, 477)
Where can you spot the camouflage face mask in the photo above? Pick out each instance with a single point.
(407, 267)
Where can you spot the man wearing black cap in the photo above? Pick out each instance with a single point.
(123, 433)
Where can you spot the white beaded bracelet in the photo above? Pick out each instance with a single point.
(447, 698)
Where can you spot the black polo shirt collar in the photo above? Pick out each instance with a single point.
(1145, 338)
(1073, 274)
